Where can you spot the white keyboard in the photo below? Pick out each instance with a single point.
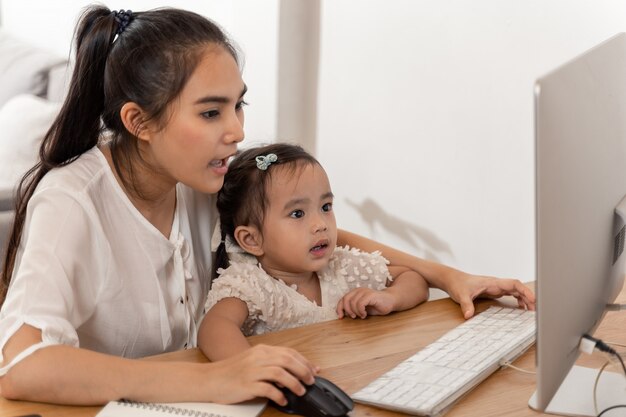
(429, 382)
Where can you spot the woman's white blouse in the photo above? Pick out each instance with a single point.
(91, 271)
(273, 305)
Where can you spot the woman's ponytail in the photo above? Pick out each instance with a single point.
(78, 125)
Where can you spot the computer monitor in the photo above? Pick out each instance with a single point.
(580, 133)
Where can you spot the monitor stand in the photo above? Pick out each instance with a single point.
(575, 395)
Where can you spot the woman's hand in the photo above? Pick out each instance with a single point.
(254, 372)
(464, 288)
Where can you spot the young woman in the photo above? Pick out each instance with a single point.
(109, 258)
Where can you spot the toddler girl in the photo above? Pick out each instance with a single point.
(278, 232)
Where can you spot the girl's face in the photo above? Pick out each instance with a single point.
(203, 125)
(299, 230)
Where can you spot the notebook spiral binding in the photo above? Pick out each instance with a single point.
(172, 410)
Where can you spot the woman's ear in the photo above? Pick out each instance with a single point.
(134, 120)
(249, 239)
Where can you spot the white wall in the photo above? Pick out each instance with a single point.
(425, 108)
(426, 119)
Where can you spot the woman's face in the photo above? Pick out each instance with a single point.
(202, 126)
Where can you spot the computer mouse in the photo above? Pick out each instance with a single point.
(322, 399)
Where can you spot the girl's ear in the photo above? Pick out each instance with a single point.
(249, 239)
(133, 118)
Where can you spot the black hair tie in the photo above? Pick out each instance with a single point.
(123, 18)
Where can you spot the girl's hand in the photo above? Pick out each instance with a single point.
(360, 302)
(254, 372)
(464, 288)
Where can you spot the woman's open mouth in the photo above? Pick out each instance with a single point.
(218, 163)
(219, 166)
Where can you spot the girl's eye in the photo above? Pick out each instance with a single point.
(327, 207)
(240, 105)
(296, 214)
(211, 114)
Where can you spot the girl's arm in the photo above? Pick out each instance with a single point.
(68, 375)
(407, 290)
(220, 336)
(462, 287)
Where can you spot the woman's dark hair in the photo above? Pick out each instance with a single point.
(148, 63)
(243, 198)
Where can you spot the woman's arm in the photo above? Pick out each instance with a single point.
(67, 375)
(220, 333)
(462, 287)
(408, 287)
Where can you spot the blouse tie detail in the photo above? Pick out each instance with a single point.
(182, 274)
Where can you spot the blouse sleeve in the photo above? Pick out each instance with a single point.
(53, 287)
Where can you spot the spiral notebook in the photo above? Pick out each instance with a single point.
(125, 408)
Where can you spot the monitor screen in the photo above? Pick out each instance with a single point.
(580, 134)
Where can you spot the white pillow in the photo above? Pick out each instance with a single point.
(24, 68)
(24, 121)
(58, 82)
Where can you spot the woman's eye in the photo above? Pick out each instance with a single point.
(327, 207)
(240, 105)
(296, 214)
(211, 114)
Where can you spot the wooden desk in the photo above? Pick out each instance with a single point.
(353, 352)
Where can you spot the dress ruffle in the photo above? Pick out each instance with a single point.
(273, 305)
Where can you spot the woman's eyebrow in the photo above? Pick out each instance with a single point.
(219, 99)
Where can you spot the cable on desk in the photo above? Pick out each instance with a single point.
(510, 365)
(611, 408)
(608, 342)
(595, 388)
(588, 343)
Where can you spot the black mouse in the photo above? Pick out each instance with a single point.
(322, 399)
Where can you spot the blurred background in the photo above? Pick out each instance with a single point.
(421, 111)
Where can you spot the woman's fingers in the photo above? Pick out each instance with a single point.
(259, 371)
(473, 286)
(286, 359)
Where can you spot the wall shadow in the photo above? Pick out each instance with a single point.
(419, 238)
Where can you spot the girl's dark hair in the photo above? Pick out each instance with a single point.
(243, 198)
(148, 63)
